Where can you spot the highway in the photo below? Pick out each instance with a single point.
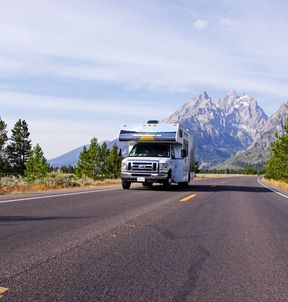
(219, 240)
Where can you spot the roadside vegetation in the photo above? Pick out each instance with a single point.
(277, 165)
(248, 169)
(216, 175)
(25, 169)
(276, 183)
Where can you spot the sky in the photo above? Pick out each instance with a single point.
(80, 69)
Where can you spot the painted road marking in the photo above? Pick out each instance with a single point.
(3, 290)
(283, 195)
(59, 195)
(188, 197)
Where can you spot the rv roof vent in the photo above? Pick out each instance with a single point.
(153, 122)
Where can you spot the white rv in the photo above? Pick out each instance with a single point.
(158, 153)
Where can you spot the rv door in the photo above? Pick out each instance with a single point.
(185, 161)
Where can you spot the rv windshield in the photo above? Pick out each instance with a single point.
(150, 150)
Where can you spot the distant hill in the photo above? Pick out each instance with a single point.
(71, 157)
(230, 132)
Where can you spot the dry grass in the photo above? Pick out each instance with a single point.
(54, 181)
(277, 183)
(204, 175)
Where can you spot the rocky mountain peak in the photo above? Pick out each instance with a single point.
(283, 109)
(198, 100)
(199, 105)
(243, 115)
(276, 122)
(228, 100)
(205, 95)
(233, 93)
(233, 101)
(233, 122)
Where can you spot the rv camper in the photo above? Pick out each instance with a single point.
(158, 153)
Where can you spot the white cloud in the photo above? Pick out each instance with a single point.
(105, 41)
(125, 109)
(229, 21)
(200, 24)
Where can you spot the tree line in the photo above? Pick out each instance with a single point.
(98, 162)
(17, 157)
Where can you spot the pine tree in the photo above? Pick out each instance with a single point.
(249, 170)
(104, 152)
(19, 148)
(82, 168)
(3, 140)
(113, 163)
(36, 165)
(94, 158)
(67, 169)
(277, 165)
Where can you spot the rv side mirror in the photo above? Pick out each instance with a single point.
(183, 153)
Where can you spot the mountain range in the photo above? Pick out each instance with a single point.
(229, 133)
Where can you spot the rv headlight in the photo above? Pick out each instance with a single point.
(163, 167)
(123, 166)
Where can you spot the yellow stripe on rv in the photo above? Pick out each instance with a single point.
(147, 138)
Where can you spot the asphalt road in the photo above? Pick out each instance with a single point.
(219, 240)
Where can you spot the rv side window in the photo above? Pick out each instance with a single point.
(185, 146)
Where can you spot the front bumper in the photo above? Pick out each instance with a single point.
(151, 177)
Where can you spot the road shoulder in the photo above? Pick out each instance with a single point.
(281, 192)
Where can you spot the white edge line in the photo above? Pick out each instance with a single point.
(283, 195)
(58, 195)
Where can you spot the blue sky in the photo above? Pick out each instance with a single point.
(78, 69)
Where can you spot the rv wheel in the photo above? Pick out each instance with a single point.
(168, 181)
(185, 184)
(126, 184)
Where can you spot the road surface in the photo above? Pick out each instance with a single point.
(219, 240)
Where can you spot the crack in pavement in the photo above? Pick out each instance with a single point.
(193, 275)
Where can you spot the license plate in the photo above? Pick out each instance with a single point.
(141, 179)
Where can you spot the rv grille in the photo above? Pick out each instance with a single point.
(143, 166)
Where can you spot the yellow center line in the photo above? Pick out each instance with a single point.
(188, 197)
(2, 291)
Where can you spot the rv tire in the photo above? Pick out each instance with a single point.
(168, 181)
(126, 184)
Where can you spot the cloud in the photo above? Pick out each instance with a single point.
(200, 24)
(81, 106)
(229, 21)
(120, 44)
